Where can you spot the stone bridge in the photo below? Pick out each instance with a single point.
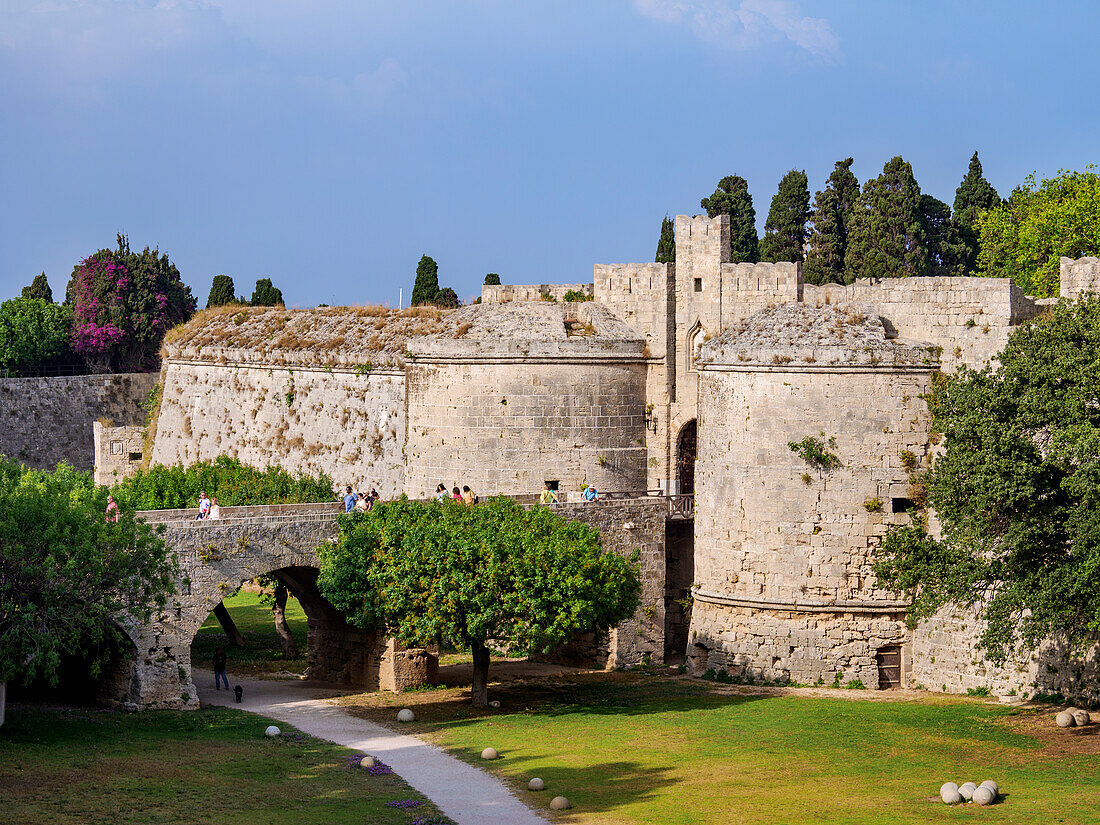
(216, 557)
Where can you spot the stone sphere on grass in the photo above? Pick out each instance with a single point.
(1065, 719)
(490, 753)
(951, 796)
(406, 715)
(1081, 718)
(993, 786)
(536, 784)
(983, 795)
(559, 803)
(966, 790)
(272, 731)
(367, 762)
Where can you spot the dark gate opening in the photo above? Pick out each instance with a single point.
(685, 458)
(679, 575)
(889, 667)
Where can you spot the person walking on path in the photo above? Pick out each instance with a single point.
(468, 497)
(547, 496)
(441, 493)
(204, 505)
(349, 500)
(219, 661)
(361, 503)
(590, 493)
(456, 495)
(112, 510)
(215, 511)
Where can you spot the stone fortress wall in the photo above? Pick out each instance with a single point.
(47, 420)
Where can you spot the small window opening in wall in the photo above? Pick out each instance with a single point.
(902, 505)
(116, 448)
(698, 284)
(135, 456)
(553, 485)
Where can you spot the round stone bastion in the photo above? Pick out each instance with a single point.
(511, 395)
(811, 425)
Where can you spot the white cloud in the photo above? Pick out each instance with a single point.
(747, 24)
(367, 90)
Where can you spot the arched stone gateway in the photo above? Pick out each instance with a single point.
(215, 558)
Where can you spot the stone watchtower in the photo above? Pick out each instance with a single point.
(784, 586)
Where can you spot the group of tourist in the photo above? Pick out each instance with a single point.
(359, 501)
(463, 496)
(550, 496)
(208, 508)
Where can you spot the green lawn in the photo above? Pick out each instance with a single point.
(628, 749)
(215, 766)
(262, 652)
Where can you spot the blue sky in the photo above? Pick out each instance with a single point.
(327, 144)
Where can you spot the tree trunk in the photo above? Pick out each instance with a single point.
(226, 621)
(278, 610)
(480, 690)
(3, 700)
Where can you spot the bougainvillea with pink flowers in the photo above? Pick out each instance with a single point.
(123, 302)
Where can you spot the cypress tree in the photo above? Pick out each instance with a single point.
(785, 231)
(492, 279)
(732, 197)
(426, 286)
(885, 238)
(39, 288)
(974, 194)
(947, 251)
(828, 240)
(447, 298)
(222, 292)
(266, 294)
(666, 244)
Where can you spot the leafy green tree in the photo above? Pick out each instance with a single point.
(732, 197)
(785, 231)
(447, 298)
(831, 216)
(886, 239)
(67, 575)
(231, 482)
(1040, 223)
(1016, 490)
(123, 302)
(266, 294)
(666, 244)
(222, 292)
(465, 576)
(39, 288)
(33, 332)
(947, 251)
(974, 196)
(492, 279)
(426, 286)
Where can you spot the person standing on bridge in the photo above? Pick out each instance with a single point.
(548, 496)
(215, 511)
(204, 505)
(112, 510)
(349, 499)
(220, 660)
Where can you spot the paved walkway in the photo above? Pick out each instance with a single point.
(462, 792)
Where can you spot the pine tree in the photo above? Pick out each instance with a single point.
(885, 238)
(266, 294)
(947, 251)
(828, 240)
(426, 286)
(222, 292)
(785, 231)
(974, 194)
(492, 279)
(732, 197)
(666, 244)
(447, 298)
(39, 288)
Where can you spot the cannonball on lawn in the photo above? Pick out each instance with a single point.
(536, 784)
(966, 790)
(983, 795)
(559, 803)
(406, 715)
(489, 753)
(271, 731)
(367, 762)
(1065, 719)
(948, 786)
(951, 797)
(495, 703)
(1081, 718)
(993, 786)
